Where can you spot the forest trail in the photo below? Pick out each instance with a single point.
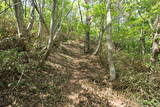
(81, 80)
(69, 79)
(42, 60)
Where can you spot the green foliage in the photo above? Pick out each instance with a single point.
(12, 65)
(150, 103)
(129, 17)
(6, 27)
(10, 59)
(136, 75)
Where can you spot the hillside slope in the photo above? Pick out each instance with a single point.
(70, 79)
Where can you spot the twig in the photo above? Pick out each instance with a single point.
(43, 21)
(19, 79)
(9, 7)
(60, 23)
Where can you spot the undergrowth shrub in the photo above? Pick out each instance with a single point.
(135, 76)
(12, 64)
(6, 27)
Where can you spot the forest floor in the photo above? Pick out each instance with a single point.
(70, 79)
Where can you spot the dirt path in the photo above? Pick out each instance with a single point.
(83, 82)
(69, 79)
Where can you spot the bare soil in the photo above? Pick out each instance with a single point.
(70, 79)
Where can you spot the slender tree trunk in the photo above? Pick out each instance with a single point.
(41, 6)
(80, 12)
(142, 41)
(22, 29)
(55, 27)
(155, 49)
(109, 42)
(40, 15)
(101, 33)
(87, 42)
(52, 29)
(156, 41)
(99, 43)
(32, 11)
(87, 35)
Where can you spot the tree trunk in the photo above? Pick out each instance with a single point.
(87, 35)
(22, 29)
(40, 16)
(156, 41)
(32, 11)
(80, 12)
(109, 42)
(99, 42)
(155, 49)
(52, 31)
(87, 42)
(41, 6)
(101, 33)
(142, 41)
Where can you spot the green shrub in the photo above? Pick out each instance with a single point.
(12, 63)
(136, 75)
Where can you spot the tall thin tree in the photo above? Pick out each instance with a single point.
(52, 29)
(32, 11)
(18, 8)
(87, 35)
(109, 41)
(41, 4)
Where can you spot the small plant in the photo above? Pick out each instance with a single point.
(12, 65)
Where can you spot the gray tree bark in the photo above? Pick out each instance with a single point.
(52, 31)
(156, 40)
(142, 41)
(109, 41)
(32, 11)
(101, 33)
(22, 29)
(55, 27)
(40, 15)
(41, 7)
(80, 12)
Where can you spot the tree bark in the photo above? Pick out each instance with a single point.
(52, 30)
(101, 33)
(99, 43)
(80, 12)
(41, 6)
(54, 27)
(109, 42)
(32, 11)
(22, 29)
(156, 41)
(42, 18)
(142, 41)
(87, 35)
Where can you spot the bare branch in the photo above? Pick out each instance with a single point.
(43, 21)
(6, 9)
